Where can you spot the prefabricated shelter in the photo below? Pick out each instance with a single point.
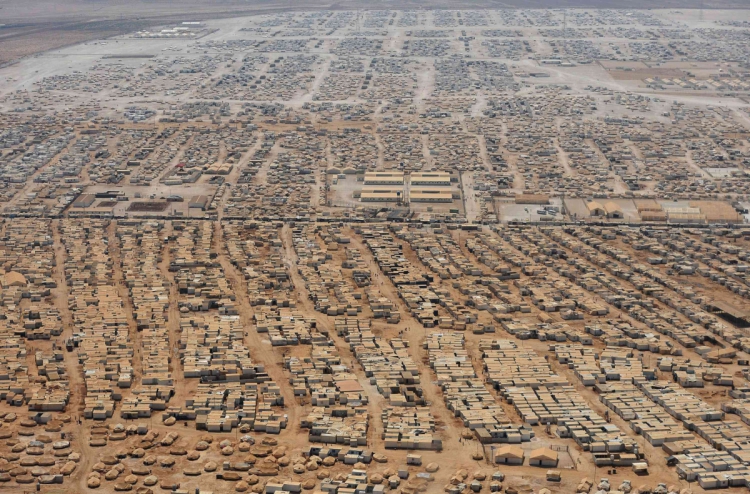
(84, 201)
(431, 178)
(384, 178)
(430, 194)
(532, 199)
(684, 215)
(647, 205)
(554, 476)
(381, 194)
(650, 210)
(653, 215)
(717, 211)
(198, 202)
(219, 169)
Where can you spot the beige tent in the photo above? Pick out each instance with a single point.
(509, 455)
(13, 278)
(543, 457)
(613, 210)
(596, 208)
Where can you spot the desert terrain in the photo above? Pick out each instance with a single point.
(331, 248)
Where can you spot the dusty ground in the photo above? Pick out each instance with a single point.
(56, 26)
(574, 463)
(40, 26)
